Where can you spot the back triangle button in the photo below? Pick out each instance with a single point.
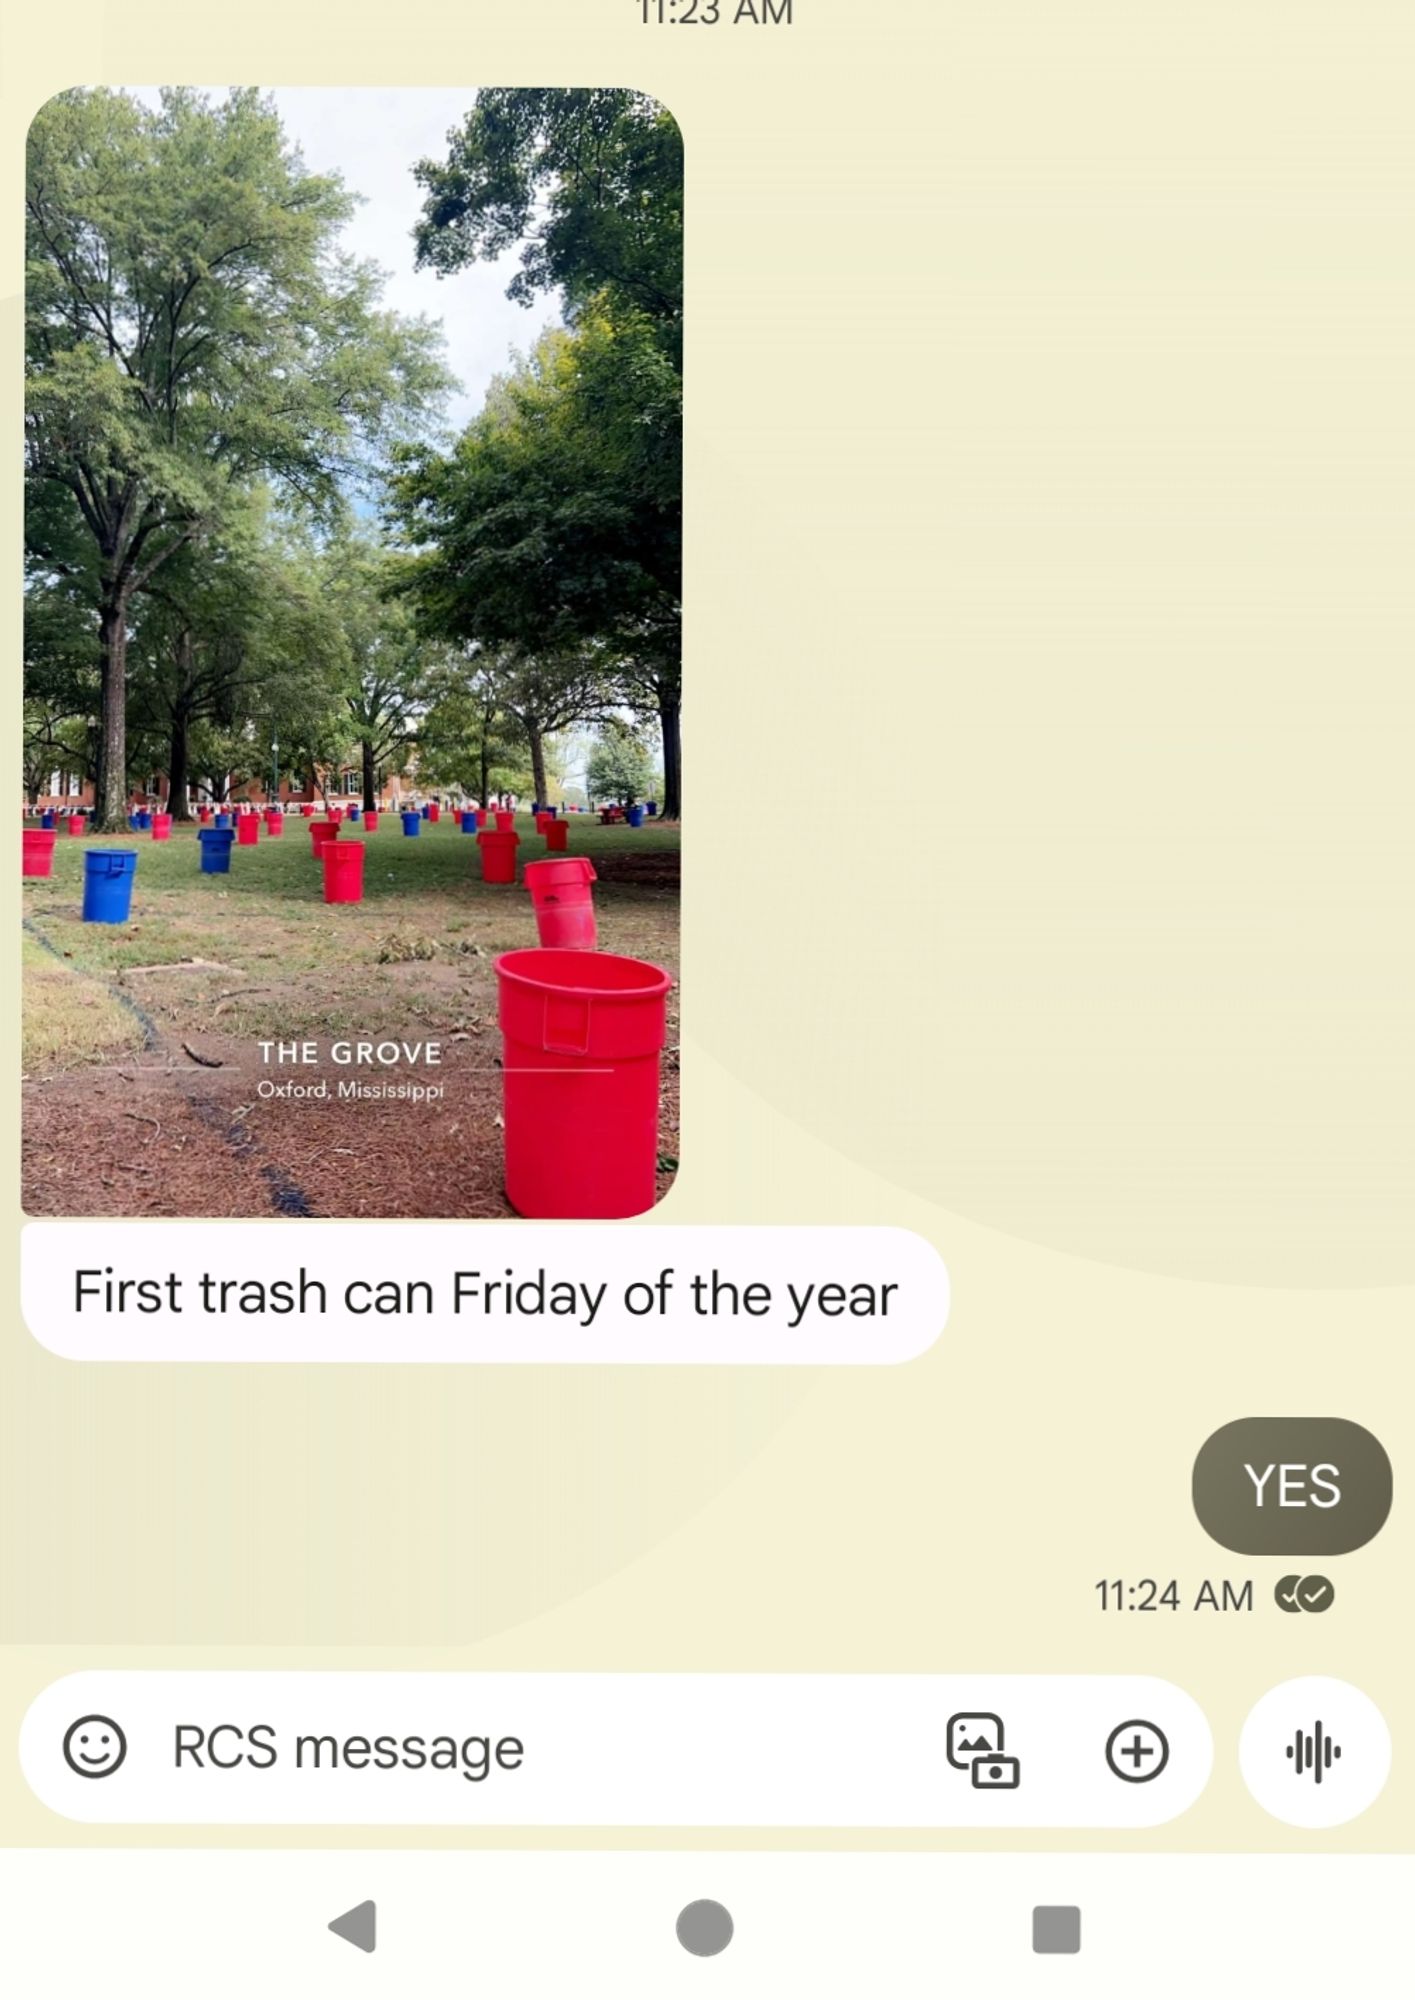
(358, 1927)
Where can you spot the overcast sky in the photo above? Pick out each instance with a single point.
(372, 138)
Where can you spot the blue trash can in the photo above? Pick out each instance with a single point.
(46, 820)
(652, 808)
(354, 814)
(133, 823)
(423, 814)
(635, 815)
(413, 823)
(144, 822)
(216, 845)
(469, 822)
(108, 884)
(223, 820)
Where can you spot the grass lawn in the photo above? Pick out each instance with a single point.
(69, 1019)
(209, 965)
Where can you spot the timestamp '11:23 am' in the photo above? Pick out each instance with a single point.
(715, 13)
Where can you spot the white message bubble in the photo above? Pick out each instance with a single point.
(504, 1750)
(492, 1292)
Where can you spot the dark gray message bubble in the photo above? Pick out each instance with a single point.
(1292, 1486)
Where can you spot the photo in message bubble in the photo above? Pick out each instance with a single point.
(352, 746)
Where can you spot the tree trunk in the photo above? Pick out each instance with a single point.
(177, 768)
(537, 743)
(111, 791)
(370, 802)
(482, 799)
(178, 756)
(670, 722)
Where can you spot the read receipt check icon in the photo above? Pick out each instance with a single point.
(1304, 1593)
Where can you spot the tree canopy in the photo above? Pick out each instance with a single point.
(588, 183)
(248, 545)
(619, 767)
(190, 329)
(555, 525)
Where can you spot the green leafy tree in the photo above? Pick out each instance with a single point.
(550, 535)
(51, 741)
(468, 740)
(627, 430)
(386, 680)
(191, 329)
(385, 702)
(299, 701)
(215, 634)
(589, 184)
(60, 681)
(588, 508)
(548, 696)
(620, 766)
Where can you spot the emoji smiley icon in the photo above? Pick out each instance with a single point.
(94, 1746)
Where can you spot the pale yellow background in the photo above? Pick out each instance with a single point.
(1050, 733)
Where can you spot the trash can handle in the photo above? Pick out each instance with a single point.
(567, 1025)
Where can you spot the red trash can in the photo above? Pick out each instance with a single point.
(336, 813)
(434, 811)
(77, 824)
(204, 815)
(504, 820)
(543, 820)
(321, 832)
(555, 835)
(581, 1038)
(247, 829)
(162, 826)
(343, 871)
(563, 902)
(306, 812)
(37, 856)
(498, 856)
(371, 822)
(274, 821)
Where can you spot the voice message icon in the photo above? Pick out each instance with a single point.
(1313, 1752)
(1325, 1735)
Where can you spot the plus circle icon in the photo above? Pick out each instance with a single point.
(1137, 1751)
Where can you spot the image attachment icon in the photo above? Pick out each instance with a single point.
(975, 1745)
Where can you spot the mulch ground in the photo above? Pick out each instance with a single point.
(162, 1135)
(178, 1128)
(644, 871)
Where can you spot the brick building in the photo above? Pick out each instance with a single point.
(66, 791)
